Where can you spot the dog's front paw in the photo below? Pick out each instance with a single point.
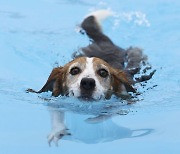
(55, 136)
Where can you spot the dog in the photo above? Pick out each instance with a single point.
(100, 70)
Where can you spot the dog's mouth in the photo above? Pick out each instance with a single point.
(90, 97)
(85, 96)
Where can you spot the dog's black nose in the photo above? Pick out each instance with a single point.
(87, 84)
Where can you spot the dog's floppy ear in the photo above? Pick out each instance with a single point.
(120, 82)
(54, 82)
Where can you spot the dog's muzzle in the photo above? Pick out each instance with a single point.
(87, 84)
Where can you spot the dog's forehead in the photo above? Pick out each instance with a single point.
(81, 60)
(99, 62)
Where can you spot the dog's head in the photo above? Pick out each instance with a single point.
(88, 79)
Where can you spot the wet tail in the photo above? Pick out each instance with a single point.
(91, 25)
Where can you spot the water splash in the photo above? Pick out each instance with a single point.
(110, 107)
(136, 17)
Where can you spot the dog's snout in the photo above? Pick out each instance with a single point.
(88, 83)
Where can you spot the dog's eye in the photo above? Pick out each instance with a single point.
(103, 73)
(75, 70)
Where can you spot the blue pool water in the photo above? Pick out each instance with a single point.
(37, 35)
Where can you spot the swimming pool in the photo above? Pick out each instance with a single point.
(38, 35)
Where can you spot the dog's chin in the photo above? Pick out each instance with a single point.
(86, 98)
(90, 98)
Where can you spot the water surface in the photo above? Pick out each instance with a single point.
(38, 35)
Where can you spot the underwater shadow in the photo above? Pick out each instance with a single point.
(80, 128)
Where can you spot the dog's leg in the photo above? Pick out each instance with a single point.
(98, 119)
(58, 127)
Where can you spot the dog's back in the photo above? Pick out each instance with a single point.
(129, 60)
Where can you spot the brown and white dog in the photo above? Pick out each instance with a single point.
(99, 70)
